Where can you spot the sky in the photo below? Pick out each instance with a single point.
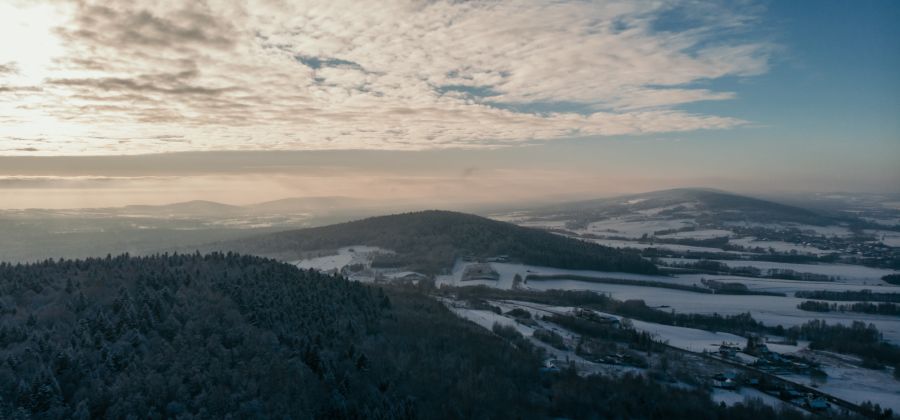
(119, 102)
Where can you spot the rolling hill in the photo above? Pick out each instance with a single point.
(430, 241)
(186, 208)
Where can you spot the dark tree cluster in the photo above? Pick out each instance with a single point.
(882, 308)
(637, 340)
(864, 295)
(891, 279)
(858, 339)
(165, 336)
(718, 267)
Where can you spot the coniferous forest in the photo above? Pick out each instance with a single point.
(230, 336)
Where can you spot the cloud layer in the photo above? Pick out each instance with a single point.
(140, 77)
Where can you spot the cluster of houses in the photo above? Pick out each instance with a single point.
(868, 248)
(775, 363)
(768, 361)
(781, 390)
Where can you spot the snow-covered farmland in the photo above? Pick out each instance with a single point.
(344, 257)
(771, 310)
(844, 380)
(730, 397)
(630, 228)
(487, 319)
(857, 385)
(689, 339)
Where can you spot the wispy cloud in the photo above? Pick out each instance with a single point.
(270, 74)
(80, 182)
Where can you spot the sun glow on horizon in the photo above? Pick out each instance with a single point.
(28, 40)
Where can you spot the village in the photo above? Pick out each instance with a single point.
(593, 342)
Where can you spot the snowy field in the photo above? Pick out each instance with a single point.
(743, 394)
(689, 339)
(345, 256)
(487, 319)
(628, 227)
(857, 385)
(789, 287)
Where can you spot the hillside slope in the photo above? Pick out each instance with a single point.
(430, 241)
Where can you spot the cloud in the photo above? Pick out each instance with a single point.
(406, 75)
(8, 68)
(79, 182)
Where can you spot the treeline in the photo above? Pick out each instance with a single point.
(864, 295)
(628, 282)
(882, 308)
(857, 339)
(730, 256)
(891, 278)
(734, 288)
(718, 267)
(431, 241)
(230, 336)
(711, 286)
(637, 340)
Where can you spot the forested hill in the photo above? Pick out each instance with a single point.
(163, 335)
(228, 336)
(430, 241)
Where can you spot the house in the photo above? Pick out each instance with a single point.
(483, 272)
(406, 277)
(727, 380)
(816, 404)
(756, 345)
(728, 350)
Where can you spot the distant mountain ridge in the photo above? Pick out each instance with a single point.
(430, 241)
(187, 207)
(291, 205)
(721, 204)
